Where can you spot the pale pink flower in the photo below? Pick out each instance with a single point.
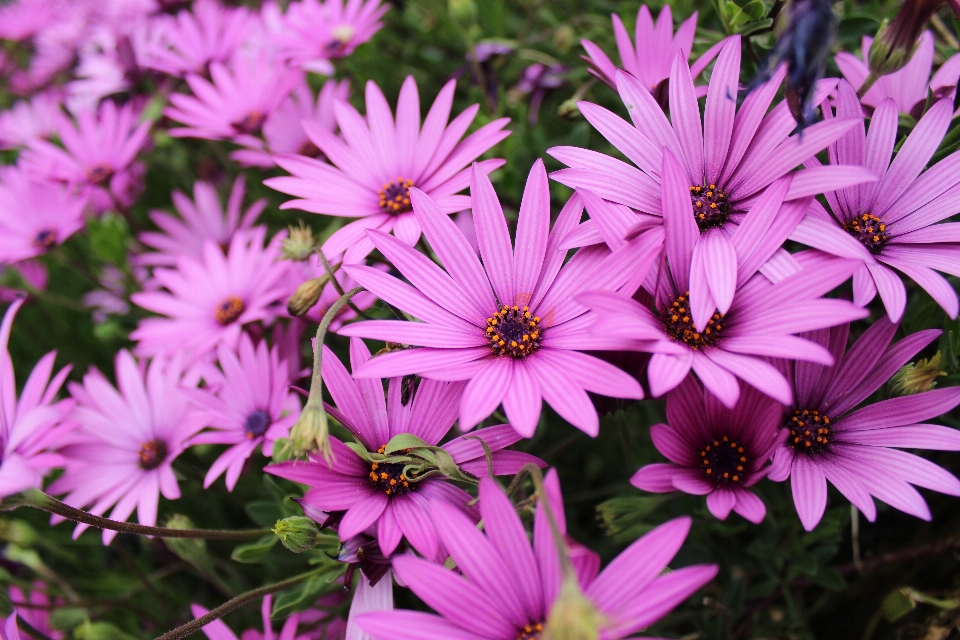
(29, 120)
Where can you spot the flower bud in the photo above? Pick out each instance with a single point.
(306, 296)
(895, 43)
(311, 432)
(568, 109)
(299, 243)
(296, 533)
(462, 11)
(573, 615)
(917, 377)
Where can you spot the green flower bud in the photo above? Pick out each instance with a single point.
(462, 11)
(299, 243)
(311, 432)
(306, 296)
(297, 533)
(895, 43)
(917, 377)
(573, 616)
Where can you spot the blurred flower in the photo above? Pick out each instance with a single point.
(311, 33)
(33, 424)
(113, 298)
(246, 403)
(539, 79)
(852, 449)
(98, 155)
(491, 54)
(201, 220)
(512, 585)
(26, 121)
(122, 454)
(53, 28)
(32, 272)
(714, 451)
(35, 217)
(283, 131)
(36, 608)
(208, 301)
(518, 343)
(373, 172)
(379, 494)
(218, 630)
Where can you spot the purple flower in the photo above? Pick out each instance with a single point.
(31, 425)
(380, 494)
(33, 273)
(35, 607)
(26, 121)
(246, 402)
(218, 629)
(895, 218)
(379, 161)
(511, 586)
(539, 79)
(517, 342)
(122, 454)
(687, 328)
(715, 451)
(828, 440)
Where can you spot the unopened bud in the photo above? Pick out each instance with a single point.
(573, 615)
(306, 296)
(299, 243)
(296, 533)
(895, 43)
(568, 109)
(462, 11)
(311, 432)
(917, 377)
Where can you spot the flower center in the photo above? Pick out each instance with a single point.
(395, 196)
(256, 424)
(99, 174)
(711, 208)
(337, 46)
(310, 150)
(388, 477)
(45, 239)
(809, 431)
(229, 310)
(514, 331)
(724, 461)
(250, 123)
(868, 229)
(679, 325)
(152, 454)
(531, 631)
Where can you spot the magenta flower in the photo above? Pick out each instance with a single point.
(312, 33)
(200, 221)
(98, 155)
(247, 404)
(218, 629)
(32, 271)
(207, 302)
(122, 454)
(31, 425)
(828, 440)
(380, 494)
(235, 102)
(714, 451)
(379, 161)
(511, 586)
(35, 216)
(656, 48)
(26, 121)
(34, 606)
(283, 131)
(518, 342)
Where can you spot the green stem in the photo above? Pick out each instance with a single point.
(244, 598)
(39, 500)
(336, 284)
(867, 85)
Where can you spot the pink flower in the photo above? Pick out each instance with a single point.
(26, 121)
(200, 221)
(36, 608)
(713, 450)
(31, 425)
(32, 271)
(98, 155)
(208, 301)
(246, 403)
(218, 629)
(122, 454)
(380, 160)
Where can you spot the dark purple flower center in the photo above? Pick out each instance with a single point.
(335, 48)
(45, 239)
(256, 424)
(229, 310)
(531, 631)
(868, 229)
(152, 454)
(310, 150)
(395, 196)
(389, 477)
(99, 174)
(678, 324)
(724, 461)
(711, 208)
(809, 430)
(514, 331)
(250, 123)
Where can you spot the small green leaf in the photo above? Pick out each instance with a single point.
(305, 594)
(254, 552)
(404, 441)
(65, 618)
(264, 512)
(896, 605)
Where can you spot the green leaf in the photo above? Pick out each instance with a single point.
(108, 238)
(254, 552)
(305, 594)
(65, 618)
(830, 578)
(404, 441)
(896, 605)
(264, 512)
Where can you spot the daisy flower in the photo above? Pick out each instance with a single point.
(517, 341)
(283, 131)
(380, 495)
(200, 221)
(98, 155)
(378, 162)
(896, 218)
(35, 607)
(121, 455)
(512, 585)
(31, 425)
(714, 451)
(29, 120)
(247, 404)
(652, 57)
(208, 301)
(854, 448)
(218, 629)
(54, 215)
